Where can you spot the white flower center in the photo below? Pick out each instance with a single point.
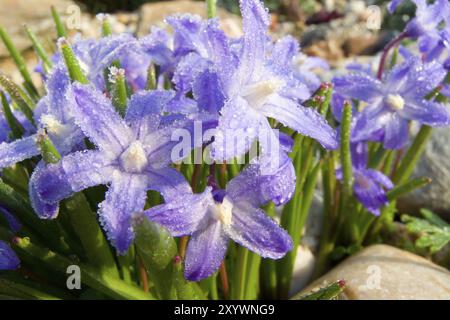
(53, 126)
(258, 93)
(224, 211)
(395, 101)
(134, 158)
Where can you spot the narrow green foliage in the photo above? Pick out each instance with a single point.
(22, 291)
(16, 128)
(82, 218)
(329, 292)
(40, 51)
(24, 103)
(211, 8)
(118, 90)
(407, 187)
(106, 26)
(110, 285)
(412, 156)
(151, 77)
(60, 29)
(19, 61)
(48, 150)
(346, 160)
(75, 71)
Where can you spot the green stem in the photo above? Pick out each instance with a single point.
(39, 49)
(407, 187)
(109, 285)
(346, 160)
(75, 71)
(22, 291)
(24, 103)
(15, 126)
(83, 219)
(60, 29)
(91, 236)
(106, 26)
(48, 230)
(19, 61)
(151, 77)
(211, 6)
(119, 90)
(413, 155)
(240, 277)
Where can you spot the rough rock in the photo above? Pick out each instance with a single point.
(152, 14)
(382, 272)
(355, 33)
(434, 164)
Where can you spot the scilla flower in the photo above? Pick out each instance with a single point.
(254, 88)
(215, 216)
(132, 156)
(396, 100)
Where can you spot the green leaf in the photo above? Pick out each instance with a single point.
(106, 26)
(22, 100)
(108, 284)
(60, 29)
(75, 71)
(15, 126)
(19, 61)
(48, 150)
(157, 250)
(118, 90)
(39, 49)
(434, 233)
(407, 187)
(329, 292)
(211, 7)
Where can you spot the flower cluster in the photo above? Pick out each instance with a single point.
(117, 130)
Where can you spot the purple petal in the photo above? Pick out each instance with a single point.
(369, 193)
(205, 252)
(44, 209)
(188, 69)
(421, 78)
(12, 221)
(75, 172)
(253, 229)
(427, 112)
(19, 150)
(304, 120)
(237, 129)
(126, 195)
(396, 133)
(208, 92)
(182, 216)
(285, 50)
(169, 182)
(145, 109)
(255, 20)
(370, 123)
(258, 189)
(380, 178)
(392, 6)
(108, 49)
(358, 86)
(59, 93)
(8, 258)
(98, 120)
(156, 45)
